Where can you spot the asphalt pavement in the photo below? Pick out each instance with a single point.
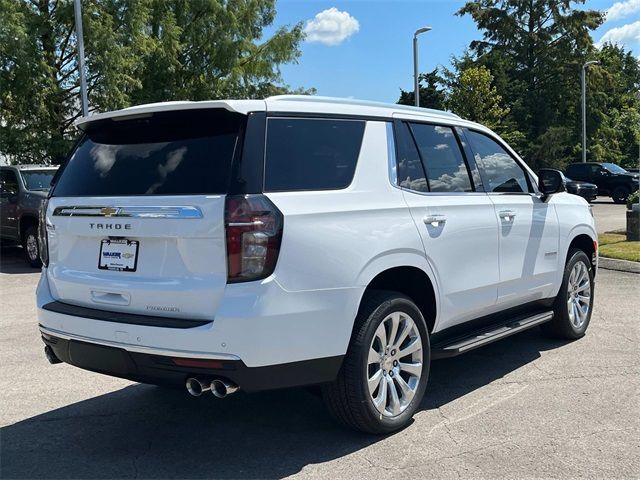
(609, 216)
(525, 407)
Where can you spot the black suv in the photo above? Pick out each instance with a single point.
(23, 189)
(611, 179)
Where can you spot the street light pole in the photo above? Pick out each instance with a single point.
(83, 80)
(416, 82)
(584, 108)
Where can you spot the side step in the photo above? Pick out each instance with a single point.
(478, 338)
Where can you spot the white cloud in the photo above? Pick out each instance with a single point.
(331, 27)
(627, 35)
(623, 9)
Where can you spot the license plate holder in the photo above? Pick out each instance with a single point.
(119, 255)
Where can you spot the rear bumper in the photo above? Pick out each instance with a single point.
(163, 370)
(257, 325)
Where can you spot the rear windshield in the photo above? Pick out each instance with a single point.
(311, 154)
(37, 180)
(167, 153)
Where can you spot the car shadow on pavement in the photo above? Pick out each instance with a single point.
(150, 432)
(12, 260)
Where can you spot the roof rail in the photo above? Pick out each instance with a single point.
(362, 103)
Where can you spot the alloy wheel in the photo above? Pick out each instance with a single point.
(394, 364)
(579, 294)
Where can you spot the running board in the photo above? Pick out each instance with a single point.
(479, 338)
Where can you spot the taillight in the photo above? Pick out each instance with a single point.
(254, 232)
(43, 242)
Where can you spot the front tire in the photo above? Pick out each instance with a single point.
(386, 368)
(574, 303)
(620, 194)
(31, 247)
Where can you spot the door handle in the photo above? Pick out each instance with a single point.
(434, 220)
(507, 215)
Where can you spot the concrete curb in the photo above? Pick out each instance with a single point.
(618, 265)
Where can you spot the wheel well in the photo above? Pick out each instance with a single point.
(585, 243)
(413, 283)
(27, 222)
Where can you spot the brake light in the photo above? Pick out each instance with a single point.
(254, 232)
(43, 241)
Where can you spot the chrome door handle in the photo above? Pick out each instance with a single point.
(434, 220)
(507, 215)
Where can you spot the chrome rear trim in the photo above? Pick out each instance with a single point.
(129, 211)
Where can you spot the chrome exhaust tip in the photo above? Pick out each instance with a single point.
(221, 388)
(197, 386)
(51, 356)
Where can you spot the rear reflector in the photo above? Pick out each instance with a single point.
(198, 363)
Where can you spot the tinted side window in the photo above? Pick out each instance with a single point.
(442, 158)
(9, 181)
(500, 172)
(311, 154)
(410, 171)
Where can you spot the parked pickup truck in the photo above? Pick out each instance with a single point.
(611, 179)
(23, 189)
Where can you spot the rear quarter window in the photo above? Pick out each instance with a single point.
(311, 154)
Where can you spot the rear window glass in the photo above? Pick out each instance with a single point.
(311, 154)
(38, 180)
(167, 153)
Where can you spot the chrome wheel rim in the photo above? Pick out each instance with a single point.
(394, 364)
(579, 294)
(32, 247)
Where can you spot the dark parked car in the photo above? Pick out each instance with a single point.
(611, 179)
(586, 190)
(23, 189)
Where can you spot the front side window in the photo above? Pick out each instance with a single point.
(9, 182)
(442, 159)
(311, 154)
(499, 170)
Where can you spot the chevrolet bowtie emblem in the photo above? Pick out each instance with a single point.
(109, 211)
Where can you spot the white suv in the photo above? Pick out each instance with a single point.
(296, 241)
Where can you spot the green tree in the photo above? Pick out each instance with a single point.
(475, 98)
(535, 50)
(432, 92)
(137, 51)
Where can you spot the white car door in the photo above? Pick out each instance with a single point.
(457, 224)
(528, 226)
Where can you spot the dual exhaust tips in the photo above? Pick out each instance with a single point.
(220, 388)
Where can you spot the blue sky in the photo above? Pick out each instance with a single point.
(362, 49)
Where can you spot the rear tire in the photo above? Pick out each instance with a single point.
(31, 247)
(620, 194)
(386, 368)
(574, 303)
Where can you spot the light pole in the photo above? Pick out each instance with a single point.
(584, 108)
(416, 82)
(83, 81)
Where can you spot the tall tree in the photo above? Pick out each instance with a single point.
(538, 47)
(432, 92)
(137, 51)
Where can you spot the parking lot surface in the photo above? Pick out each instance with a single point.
(522, 408)
(609, 216)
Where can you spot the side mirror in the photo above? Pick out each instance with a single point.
(551, 181)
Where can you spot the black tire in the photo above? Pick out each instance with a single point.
(31, 251)
(348, 398)
(561, 326)
(620, 194)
